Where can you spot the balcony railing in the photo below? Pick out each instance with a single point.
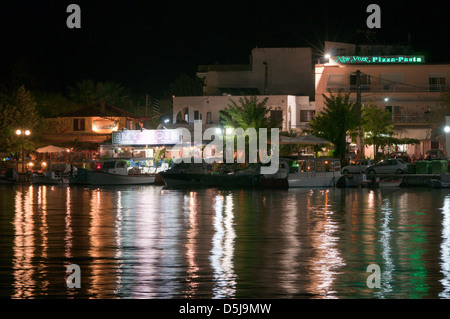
(410, 118)
(390, 88)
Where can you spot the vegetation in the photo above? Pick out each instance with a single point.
(247, 113)
(377, 127)
(18, 111)
(339, 119)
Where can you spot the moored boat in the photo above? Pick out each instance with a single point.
(314, 172)
(113, 173)
(201, 175)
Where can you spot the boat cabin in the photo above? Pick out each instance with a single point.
(315, 165)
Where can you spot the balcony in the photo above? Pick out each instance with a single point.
(423, 87)
(411, 118)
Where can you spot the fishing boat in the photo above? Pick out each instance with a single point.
(49, 178)
(113, 173)
(314, 172)
(201, 175)
(59, 174)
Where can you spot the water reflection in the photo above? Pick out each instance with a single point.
(327, 260)
(222, 253)
(445, 249)
(149, 242)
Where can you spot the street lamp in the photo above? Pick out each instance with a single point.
(23, 133)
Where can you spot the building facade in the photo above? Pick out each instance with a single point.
(295, 111)
(271, 71)
(401, 84)
(90, 124)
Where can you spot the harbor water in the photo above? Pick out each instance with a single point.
(155, 243)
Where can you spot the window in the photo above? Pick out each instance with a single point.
(197, 115)
(277, 115)
(364, 81)
(306, 116)
(436, 82)
(208, 118)
(79, 125)
(336, 80)
(129, 124)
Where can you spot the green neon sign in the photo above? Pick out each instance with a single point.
(399, 59)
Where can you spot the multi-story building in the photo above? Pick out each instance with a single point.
(402, 84)
(271, 71)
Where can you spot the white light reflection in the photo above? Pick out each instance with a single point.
(328, 258)
(190, 204)
(222, 252)
(24, 248)
(445, 249)
(119, 238)
(388, 267)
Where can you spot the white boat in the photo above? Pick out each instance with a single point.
(314, 172)
(113, 173)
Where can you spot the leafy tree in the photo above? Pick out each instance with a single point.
(18, 111)
(377, 125)
(185, 85)
(51, 104)
(436, 116)
(87, 92)
(339, 119)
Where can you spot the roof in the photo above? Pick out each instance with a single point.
(99, 109)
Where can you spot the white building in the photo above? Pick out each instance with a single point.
(295, 111)
(272, 71)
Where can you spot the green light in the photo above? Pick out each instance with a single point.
(394, 59)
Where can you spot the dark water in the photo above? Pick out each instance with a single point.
(150, 242)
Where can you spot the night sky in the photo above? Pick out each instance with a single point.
(144, 45)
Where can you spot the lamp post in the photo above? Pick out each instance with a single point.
(23, 133)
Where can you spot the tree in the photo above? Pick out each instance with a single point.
(436, 116)
(249, 113)
(18, 111)
(185, 85)
(377, 125)
(87, 92)
(339, 119)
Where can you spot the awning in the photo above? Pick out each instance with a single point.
(303, 139)
(420, 134)
(50, 149)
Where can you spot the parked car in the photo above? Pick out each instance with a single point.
(357, 167)
(388, 166)
(435, 154)
(401, 156)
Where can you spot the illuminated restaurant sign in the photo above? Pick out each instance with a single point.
(399, 59)
(146, 137)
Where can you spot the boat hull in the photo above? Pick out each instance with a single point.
(103, 178)
(313, 179)
(43, 180)
(201, 180)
